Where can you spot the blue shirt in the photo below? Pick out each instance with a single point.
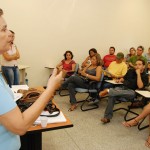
(8, 140)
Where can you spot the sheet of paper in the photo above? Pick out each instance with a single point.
(143, 93)
(15, 88)
(113, 82)
(17, 96)
(57, 119)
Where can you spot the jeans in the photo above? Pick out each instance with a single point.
(74, 82)
(114, 94)
(11, 74)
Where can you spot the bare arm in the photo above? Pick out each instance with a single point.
(18, 122)
(11, 57)
(73, 68)
(17, 53)
(91, 77)
(85, 61)
(131, 65)
(139, 79)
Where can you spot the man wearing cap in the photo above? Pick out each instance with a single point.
(134, 79)
(116, 70)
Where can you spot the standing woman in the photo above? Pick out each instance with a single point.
(12, 121)
(9, 63)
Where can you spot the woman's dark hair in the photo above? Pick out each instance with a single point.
(93, 50)
(98, 58)
(12, 31)
(66, 54)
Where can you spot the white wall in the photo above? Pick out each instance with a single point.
(45, 29)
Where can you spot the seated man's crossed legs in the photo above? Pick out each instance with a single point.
(113, 95)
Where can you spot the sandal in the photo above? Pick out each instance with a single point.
(147, 143)
(73, 107)
(131, 123)
(105, 120)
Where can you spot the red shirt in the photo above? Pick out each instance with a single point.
(68, 67)
(108, 59)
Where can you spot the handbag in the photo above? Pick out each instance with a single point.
(30, 96)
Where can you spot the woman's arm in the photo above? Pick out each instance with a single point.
(91, 77)
(17, 53)
(18, 122)
(11, 57)
(85, 61)
(73, 68)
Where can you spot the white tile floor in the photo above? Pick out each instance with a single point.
(89, 133)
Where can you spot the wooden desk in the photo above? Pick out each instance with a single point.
(32, 140)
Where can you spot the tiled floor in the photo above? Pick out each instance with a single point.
(89, 133)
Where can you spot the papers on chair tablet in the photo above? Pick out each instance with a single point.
(143, 93)
(15, 88)
(113, 82)
(57, 119)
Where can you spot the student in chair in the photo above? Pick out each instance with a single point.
(134, 79)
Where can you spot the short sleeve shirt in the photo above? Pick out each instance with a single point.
(117, 69)
(108, 59)
(8, 140)
(68, 67)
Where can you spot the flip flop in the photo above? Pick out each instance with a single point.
(73, 107)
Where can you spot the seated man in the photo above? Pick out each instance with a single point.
(109, 58)
(117, 69)
(138, 55)
(134, 79)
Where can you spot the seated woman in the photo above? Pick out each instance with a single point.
(92, 72)
(132, 52)
(67, 65)
(87, 61)
(134, 122)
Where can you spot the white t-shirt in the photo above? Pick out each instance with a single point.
(5, 62)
